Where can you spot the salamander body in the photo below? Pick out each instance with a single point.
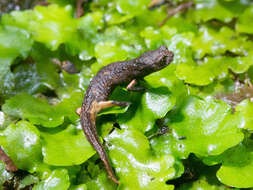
(105, 81)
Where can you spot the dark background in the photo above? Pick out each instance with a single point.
(9, 5)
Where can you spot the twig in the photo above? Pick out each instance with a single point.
(66, 66)
(10, 166)
(43, 3)
(79, 9)
(178, 9)
(247, 80)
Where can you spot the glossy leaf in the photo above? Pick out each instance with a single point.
(245, 109)
(217, 9)
(101, 182)
(131, 6)
(237, 162)
(13, 43)
(204, 72)
(51, 25)
(22, 143)
(117, 45)
(57, 180)
(4, 175)
(138, 169)
(155, 103)
(212, 42)
(203, 183)
(236, 172)
(36, 110)
(65, 148)
(204, 127)
(35, 78)
(244, 24)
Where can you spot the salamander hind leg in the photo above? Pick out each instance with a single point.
(110, 103)
(78, 111)
(132, 86)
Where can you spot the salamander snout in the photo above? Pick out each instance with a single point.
(165, 57)
(166, 54)
(169, 57)
(156, 60)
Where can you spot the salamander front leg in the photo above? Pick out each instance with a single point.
(131, 86)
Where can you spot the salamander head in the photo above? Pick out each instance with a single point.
(157, 59)
(162, 57)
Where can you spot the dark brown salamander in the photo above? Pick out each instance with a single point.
(105, 81)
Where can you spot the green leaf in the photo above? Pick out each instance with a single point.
(78, 187)
(13, 43)
(237, 174)
(204, 72)
(69, 103)
(35, 78)
(241, 64)
(157, 37)
(244, 24)
(95, 177)
(203, 183)
(5, 120)
(245, 110)
(166, 77)
(51, 25)
(207, 121)
(221, 10)
(101, 182)
(135, 164)
(237, 164)
(86, 35)
(21, 142)
(117, 45)
(74, 82)
(57, 180)
(4, 175)
(212, 42)
(131, 6)
(36, 110)
(69, 142)
(27, 181)
(154, 104)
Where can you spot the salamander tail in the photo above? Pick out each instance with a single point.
(89, 128)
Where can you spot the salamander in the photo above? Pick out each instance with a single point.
(105, 81)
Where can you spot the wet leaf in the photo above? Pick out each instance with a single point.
(36, 110)
(204, 127)
(57, 180)
(138, 169)
(245, 108)
(13, 43)
(65, 148)
(217, 9)
(155, 103)
(4, 175)
(244, 24)
(22, 143)
(237, 162)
